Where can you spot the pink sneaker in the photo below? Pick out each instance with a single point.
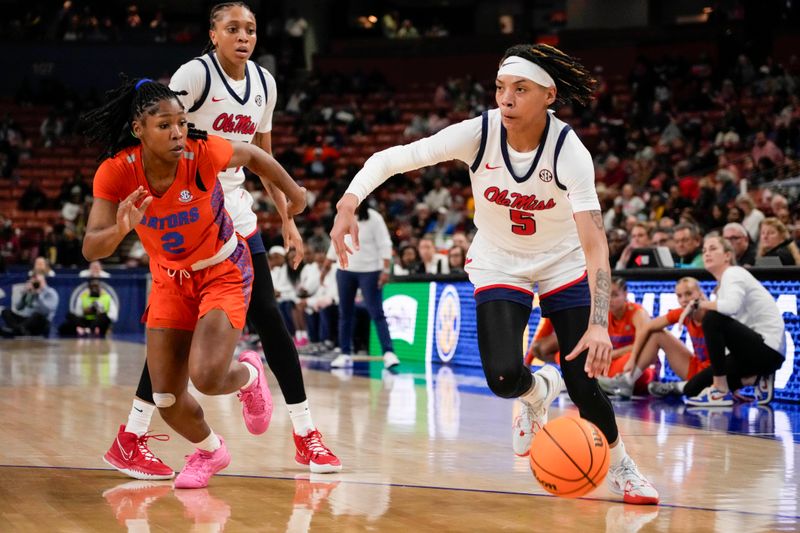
(256, 399)
(201, 465)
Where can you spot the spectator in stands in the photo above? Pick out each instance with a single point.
(663, 237)
(640, 238)
(389, 24)
(434, 262)
(95, 270)
(296, 28)
(407, 30)
(408, 262)
(93, 313)
(72, 209)
(32, 310)
(42, 266)
(687, 246)
(743, 328)
(632, 205)
(752, 215)
(456, 256)
(51, 129)
(617, 242)
(284, 286)
(33, 198)
(763, 147)
(743, 247)
(615, 174)
(68, 188)
(439, 196)
(460, 239)
(68, 249)
(776, 241)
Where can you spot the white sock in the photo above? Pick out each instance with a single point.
(679, 386)
(139, 417)
(618, 453)
(635, 374)
(537, 392)
(301, 418)
(253, 374)
(209, 444)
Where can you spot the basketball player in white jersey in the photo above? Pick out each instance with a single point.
(226, 94)
(539, 222)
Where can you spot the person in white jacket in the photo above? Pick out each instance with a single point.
(745, 321)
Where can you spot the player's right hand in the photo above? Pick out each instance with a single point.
(128, 213)
(688, 310)
(345, 224)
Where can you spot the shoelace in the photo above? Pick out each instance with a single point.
(183, 274)
(254, 401)
(199, 461)
(631, 474)
(313, 442)
(143, 448)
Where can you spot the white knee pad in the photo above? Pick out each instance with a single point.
(163, 400)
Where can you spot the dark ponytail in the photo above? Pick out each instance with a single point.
(573, 81)
(110, 125)
(216, 11)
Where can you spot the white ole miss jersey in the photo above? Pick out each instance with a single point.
(524, 202)
(233, 109)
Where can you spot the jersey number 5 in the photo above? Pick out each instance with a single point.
(172, 242)
(523, 222)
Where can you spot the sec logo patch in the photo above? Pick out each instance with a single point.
(545, 175)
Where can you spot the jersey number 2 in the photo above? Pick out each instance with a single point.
(172, 242)
(523, 222)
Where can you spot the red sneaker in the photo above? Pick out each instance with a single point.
(130, 455)
(130, 500)
(312, 452)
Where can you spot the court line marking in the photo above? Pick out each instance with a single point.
(334, 477)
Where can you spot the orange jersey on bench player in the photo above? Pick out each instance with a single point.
(622, 333)
(695, 332)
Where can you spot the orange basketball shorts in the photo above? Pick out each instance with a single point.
(618, 364)
(695, 366)
(178, 301)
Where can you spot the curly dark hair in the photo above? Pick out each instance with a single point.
(573, 81)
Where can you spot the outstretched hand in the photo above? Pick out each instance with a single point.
(345, 224)
(597, 341)
(128, 213)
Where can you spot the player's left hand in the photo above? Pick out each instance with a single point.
(598, 360)
(293, 240)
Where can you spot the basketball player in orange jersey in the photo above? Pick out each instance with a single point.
(228, 95)
(539, 225)
(652, 337)
(626, 320)
(545, 344)
(162, 182)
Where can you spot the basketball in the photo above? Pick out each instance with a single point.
(569, 457)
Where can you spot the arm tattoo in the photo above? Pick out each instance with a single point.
(602, 292)
(597, 218)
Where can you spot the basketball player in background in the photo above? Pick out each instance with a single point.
(228, 95)
(539, 222)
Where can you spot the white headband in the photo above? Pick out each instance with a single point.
(519, 66)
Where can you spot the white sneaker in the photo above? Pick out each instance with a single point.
(616, 386)
(342, 361)
(626, 479)
(390, 360)
(533, 416)
(665, 388)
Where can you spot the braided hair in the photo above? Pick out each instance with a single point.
(110, 125)
(573, 81)
(216, 12)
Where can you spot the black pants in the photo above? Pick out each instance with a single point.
(747, 356)
(73, 322)
(500, 327)
(278, 345)
(36, 324)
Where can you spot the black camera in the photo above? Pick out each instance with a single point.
(36, 285)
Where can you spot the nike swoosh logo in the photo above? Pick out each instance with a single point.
(140, 410)
(215, 99)
(126, 456)
(492, 168)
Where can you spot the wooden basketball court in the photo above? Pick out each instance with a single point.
(419, 454)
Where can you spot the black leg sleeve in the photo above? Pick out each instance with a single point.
(278, 345)
(145, 389)
(500, 327)
(593, 404)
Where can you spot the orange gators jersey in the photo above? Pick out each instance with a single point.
(694, 330)
(186, 224)
(621, 330)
